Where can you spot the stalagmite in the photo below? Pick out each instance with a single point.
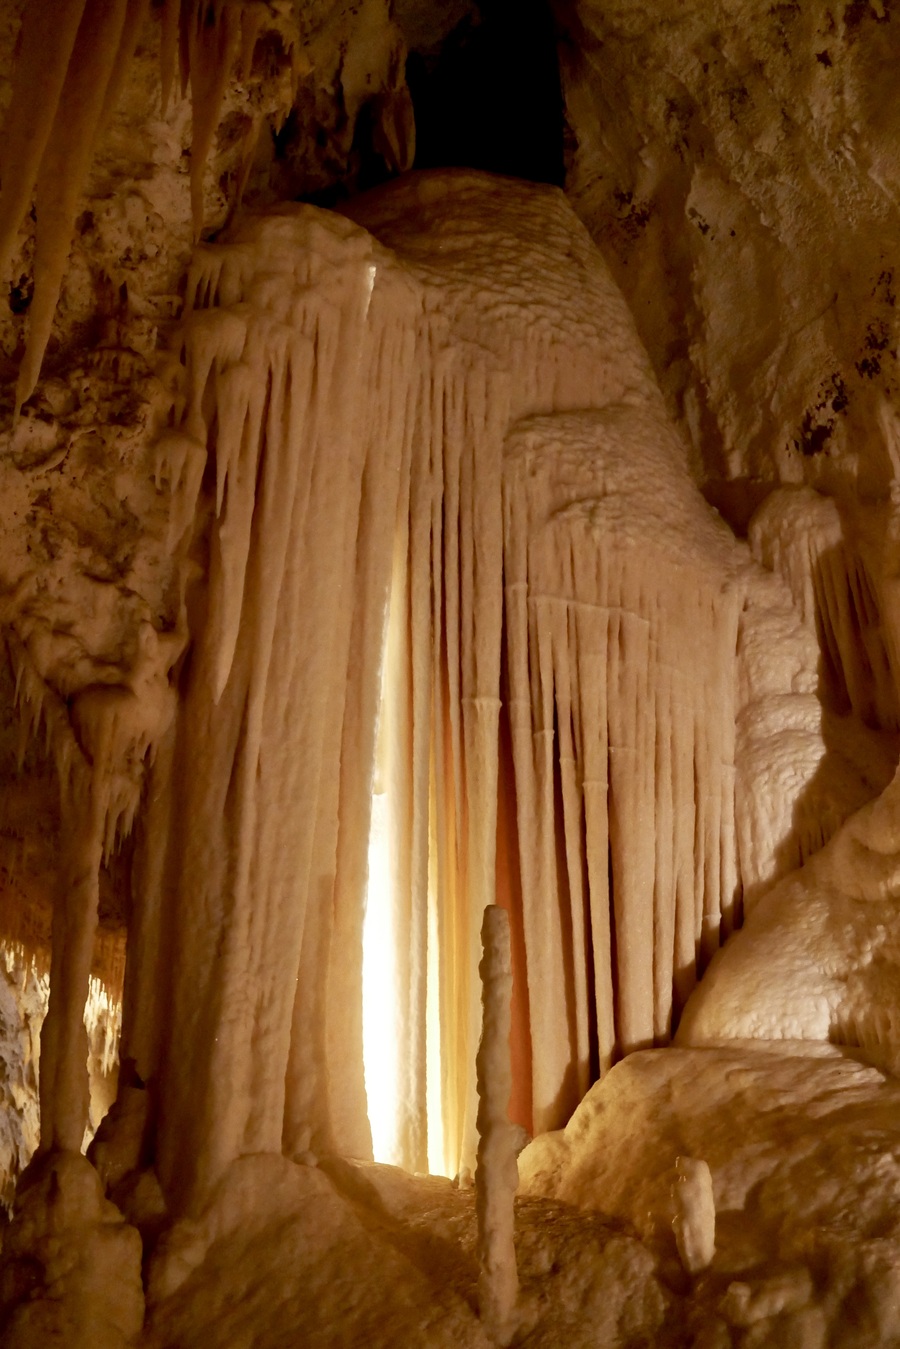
(496, 1175)
(695, 1214)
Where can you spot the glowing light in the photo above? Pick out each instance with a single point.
(438, 1164)
(384, 1006)
(380, 990)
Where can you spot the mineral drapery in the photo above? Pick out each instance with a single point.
(357, 399)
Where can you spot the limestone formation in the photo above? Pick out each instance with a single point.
(396, 564)
(695, 1214)
(496, 1175)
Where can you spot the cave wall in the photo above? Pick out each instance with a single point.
(737, 165)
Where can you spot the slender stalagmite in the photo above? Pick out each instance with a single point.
(497, 1174)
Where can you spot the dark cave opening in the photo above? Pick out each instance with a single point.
(490, 96)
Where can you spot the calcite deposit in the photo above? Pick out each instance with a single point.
(450, 675)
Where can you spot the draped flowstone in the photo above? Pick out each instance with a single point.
(446, 417)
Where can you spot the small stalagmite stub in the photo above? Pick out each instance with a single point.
(695, 1214)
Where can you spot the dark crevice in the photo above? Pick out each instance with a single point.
(490, 98)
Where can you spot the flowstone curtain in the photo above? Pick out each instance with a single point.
(361, 408)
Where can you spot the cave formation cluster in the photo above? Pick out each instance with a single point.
(450, 486)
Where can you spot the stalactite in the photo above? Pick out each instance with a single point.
(801, 535)
(814, 662)
(635, 714)
(213, 43)
(95, 803)
(73, 60)
(357, 398)
(46, 41)
(168, 50)
(136, 13)
(101, 739)
(384, 489)
(265, 675)
(63, 170)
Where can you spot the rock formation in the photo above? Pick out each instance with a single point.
(386, 553)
